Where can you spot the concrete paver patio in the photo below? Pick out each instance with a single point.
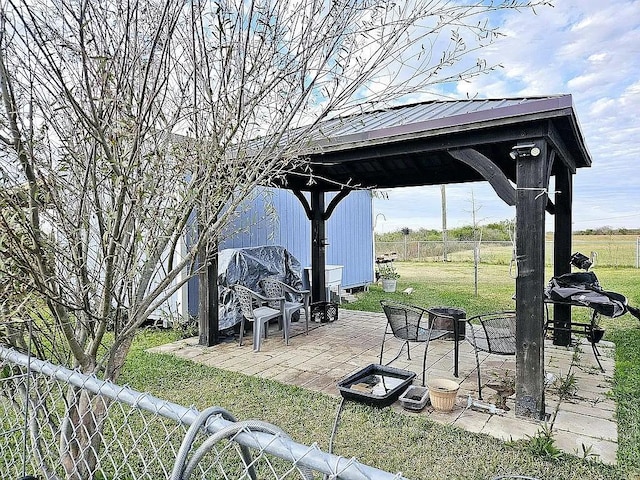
(318, 361)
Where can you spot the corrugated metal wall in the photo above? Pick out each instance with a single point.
(275, 217)
(350, 235)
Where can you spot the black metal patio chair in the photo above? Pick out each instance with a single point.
(410, 323)
(493, 333)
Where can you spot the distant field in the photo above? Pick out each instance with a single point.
(607, 250)
(611, 250)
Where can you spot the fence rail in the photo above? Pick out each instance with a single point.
(142, 436)
(609, 253)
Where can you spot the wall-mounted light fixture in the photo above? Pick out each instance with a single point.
(524, 150)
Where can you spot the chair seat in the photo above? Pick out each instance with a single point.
(419, 335)
(435, 334)
(266, 311)
(293, 306)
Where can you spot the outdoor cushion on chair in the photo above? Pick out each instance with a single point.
(496, 333)
(410, 324)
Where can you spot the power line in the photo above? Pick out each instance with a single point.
(608, 218)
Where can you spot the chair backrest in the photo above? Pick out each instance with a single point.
(404, 319)
(272, 288)
(498, 333)
(245, 299)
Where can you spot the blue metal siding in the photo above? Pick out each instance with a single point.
(272, 217)
(349, 232)
(275, 217)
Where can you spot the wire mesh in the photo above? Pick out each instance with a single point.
(605, 251)
(57, 423)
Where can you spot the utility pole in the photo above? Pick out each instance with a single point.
(443, 194)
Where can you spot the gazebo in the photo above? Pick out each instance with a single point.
(515, 144)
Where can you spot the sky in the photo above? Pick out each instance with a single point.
(587, 48)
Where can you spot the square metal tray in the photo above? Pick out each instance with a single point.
(376, 385)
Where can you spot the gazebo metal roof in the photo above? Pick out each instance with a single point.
(410, 145)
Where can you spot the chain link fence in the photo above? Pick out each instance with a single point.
(613, 252)
(132, 435)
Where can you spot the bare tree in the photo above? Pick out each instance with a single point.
(443, 195)
(477, 239)
(120, 121)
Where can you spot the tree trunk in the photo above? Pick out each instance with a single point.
(81, 434)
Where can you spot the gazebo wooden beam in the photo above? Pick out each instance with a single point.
(555, 140)
(318, 247)
(208, 318)
(318, 214)
(489, 171)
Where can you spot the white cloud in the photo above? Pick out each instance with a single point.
(590, 49)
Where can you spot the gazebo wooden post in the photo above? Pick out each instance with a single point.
(531, 200)
(208, 319)
(318, 243)
(562, 251)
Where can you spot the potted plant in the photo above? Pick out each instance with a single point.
(389, 276)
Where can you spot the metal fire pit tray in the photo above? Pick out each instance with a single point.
(376, 385)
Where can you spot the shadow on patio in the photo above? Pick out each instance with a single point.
(332, 351)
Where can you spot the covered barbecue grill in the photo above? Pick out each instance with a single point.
(583, 289)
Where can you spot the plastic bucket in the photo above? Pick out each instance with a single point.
(442, 393)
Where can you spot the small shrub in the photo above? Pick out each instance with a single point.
(566, 387)
(388, 271)
(543, 444)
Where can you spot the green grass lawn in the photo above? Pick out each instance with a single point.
(393, 441)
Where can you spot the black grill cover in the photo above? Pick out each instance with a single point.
(584, 288)
(247, 266)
